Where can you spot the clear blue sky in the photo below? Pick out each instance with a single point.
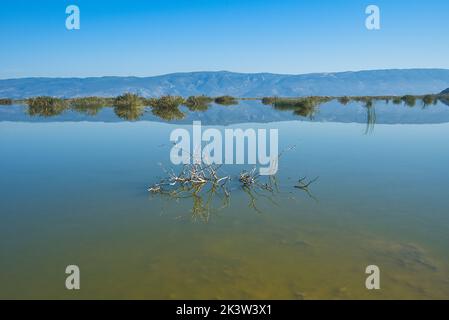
(143, 38)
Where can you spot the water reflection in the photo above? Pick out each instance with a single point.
(370, 117)
(170, 109)
(87, 110)
(129, 113)
(304, 107)
(46, 106)
(410, 101)
(90, 106)
(168, 113)
(46, 111)
(444, 99)
(207, 191)
(198, 103)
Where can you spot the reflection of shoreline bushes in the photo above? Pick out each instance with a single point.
(90, 105)
(91, 102)
(198, 103)
(131, 113)
(226, 100)
(5, 101)
(167, 107)
(128, 106)
(165, 102)
(409, 100)
(131, 106)
(305, 106)
(128, 100)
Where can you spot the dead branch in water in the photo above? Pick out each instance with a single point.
(194, 175)
(204, 183)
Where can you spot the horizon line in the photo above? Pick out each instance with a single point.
(221, 71)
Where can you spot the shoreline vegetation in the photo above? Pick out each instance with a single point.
(131, 107)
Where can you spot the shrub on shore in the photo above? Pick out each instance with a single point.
(46, 106)
(304, 107)
(128, 106)
(165, 102)
(305, 102)
(429, 99)
(198, 103)
(128, 100)
(167, 107)
(90, 102)
(409, 100)
(45, 101)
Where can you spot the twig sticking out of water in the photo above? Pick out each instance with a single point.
(193, 175)
(303, 184)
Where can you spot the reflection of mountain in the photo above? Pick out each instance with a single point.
(445, 99)
(254, 112)
(379, 82)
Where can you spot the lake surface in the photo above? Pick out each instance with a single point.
(74, 191)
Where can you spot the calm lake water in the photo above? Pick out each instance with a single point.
(74, 191)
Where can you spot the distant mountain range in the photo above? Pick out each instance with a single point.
(376, 82)
(445, 91)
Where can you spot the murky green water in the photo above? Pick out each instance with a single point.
(73, 191)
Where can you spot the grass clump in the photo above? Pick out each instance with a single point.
(130, 113)
(165, 102)
(90, 105)
(128, 106)
(305, 106)
(226, 100)
(198, 103)
(90, 102)
(46, 106)
(306, 102)
(167, 107)
(429, 99)
(128, 100)
(409, 100)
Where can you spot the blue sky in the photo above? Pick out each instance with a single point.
(144, 38)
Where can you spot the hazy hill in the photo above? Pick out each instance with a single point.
(377, 82)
